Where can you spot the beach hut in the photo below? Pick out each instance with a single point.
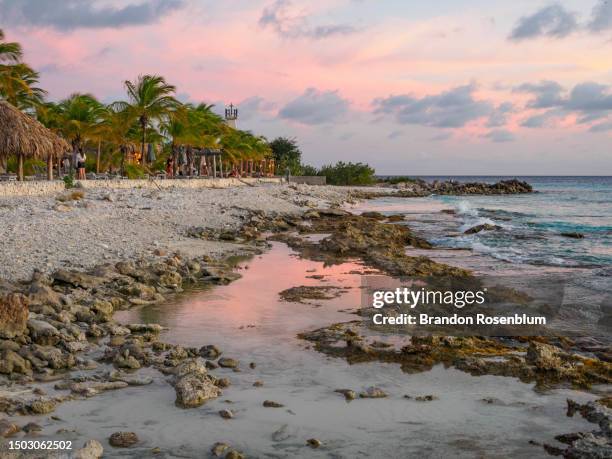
(24, 137)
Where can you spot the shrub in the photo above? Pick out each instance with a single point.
(348, 174)
(135, 171)
(30, 166)
(309, 170)
(69, 180)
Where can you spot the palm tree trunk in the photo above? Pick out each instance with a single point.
(2, 164)
(143, 157)
(20, 167)
(50, 167)
(98, 158)
(122, 149)
(143, 123)
(174, 159)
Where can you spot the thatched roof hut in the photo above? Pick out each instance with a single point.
(24, 137)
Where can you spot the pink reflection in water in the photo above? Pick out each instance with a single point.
(252, 304)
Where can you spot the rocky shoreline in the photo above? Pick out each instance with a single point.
(62, 321)
(422, 188)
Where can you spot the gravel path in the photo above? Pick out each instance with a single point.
(42, 233)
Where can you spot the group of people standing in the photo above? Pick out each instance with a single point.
(78, 162)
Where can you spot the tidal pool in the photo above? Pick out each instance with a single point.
(248, 322)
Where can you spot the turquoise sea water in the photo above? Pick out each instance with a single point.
(530, 247)
(533, 224)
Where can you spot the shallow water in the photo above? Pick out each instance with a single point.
(248, 322)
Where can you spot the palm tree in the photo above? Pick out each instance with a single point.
(116, 127)
(150, 100)
(17, 79)
(9, 51)
(17, 86)
(80, 116)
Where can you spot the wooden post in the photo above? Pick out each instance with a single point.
(50, 167)
(214, 168)
(20, 167)
(98, 157)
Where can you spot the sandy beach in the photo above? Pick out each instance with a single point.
(111, 225)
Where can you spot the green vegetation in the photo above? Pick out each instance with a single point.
(109, 133)
(69, 181)
(17, 79)
(287, 155)
(349, 173)
(30, 166)
(135, 171)
(307, 169)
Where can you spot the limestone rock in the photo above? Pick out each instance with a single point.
(226, 362)
(42, 405)
(171, 280)
(13, 315)
(91, 388)
(42, 332)
(123, 439)
(42, 294)
(92, 449)
(483, 227)
(210, 351)
(102, 309)
(193, 386)
(373, 392)
(219, 449)
(543, 356)
(11, 362)
(7, 428)
(76, 279)
(348, 393)
(272, 404)
(145, 328)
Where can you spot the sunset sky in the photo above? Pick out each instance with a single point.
(414, 87)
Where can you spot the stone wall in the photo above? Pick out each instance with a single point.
(37, 188)
(308, 179)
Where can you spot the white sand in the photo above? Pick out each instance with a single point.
(35, 235)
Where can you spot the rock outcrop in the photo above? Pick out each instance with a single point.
(13, 315)
(193, 386)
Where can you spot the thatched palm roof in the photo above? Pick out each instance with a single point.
(20, 133)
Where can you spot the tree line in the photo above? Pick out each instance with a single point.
(150, 113)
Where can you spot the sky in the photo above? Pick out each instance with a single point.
(472, 87)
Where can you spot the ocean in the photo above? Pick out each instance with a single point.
(530, 244)
(533, 223)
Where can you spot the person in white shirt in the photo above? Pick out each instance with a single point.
(80, 162)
